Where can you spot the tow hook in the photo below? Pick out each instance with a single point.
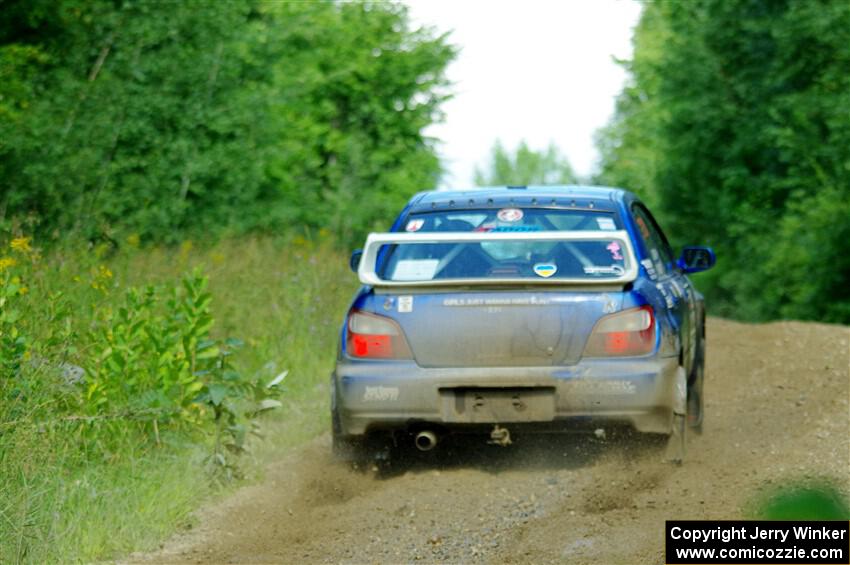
(500, 436)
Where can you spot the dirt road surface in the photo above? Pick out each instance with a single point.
(777, 409)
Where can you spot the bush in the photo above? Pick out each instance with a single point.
(97, 382)
(82, 483)
(147, 363)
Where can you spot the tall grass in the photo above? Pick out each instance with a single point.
(61, 499)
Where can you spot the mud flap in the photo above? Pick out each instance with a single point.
(680, 393)
(676, 443)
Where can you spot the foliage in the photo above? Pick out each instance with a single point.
(525, 167)
(158, 366)
(166, 119)
(355, 89)
(149, 364)
(114, 376)
(734, 128)
(801, 500)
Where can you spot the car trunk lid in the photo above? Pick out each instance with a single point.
(497, 328)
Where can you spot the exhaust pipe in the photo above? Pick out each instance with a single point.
(425, 440)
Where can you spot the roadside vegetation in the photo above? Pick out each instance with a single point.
(179, 120)
(734, 128)
(133, 383)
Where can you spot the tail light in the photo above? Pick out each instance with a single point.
(375, 337)
(626, 333)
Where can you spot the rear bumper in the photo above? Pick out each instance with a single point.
(392, 395)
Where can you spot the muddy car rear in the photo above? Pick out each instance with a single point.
(532, 314)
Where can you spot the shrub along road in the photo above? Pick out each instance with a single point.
(777, 410)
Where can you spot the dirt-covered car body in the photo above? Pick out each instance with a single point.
(544, 308)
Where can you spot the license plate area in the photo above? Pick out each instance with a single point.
(475, 405)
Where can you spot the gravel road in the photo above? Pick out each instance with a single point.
(777, 408)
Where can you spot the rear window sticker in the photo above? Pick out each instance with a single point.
(510, 214)
(516, 228)
(606, 223)
(614, 248)
(545, 270)
(414, 225)
(405, 304)
(615, 270)
(415, 270)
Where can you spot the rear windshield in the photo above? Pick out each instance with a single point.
(603, 258)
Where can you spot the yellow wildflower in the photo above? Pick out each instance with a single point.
(133, 240)
(100, 278)
(7, 262)
(23, 290)
(21, 244)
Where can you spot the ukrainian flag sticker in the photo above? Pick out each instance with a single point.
(545, 270)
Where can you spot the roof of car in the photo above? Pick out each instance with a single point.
(566, 196)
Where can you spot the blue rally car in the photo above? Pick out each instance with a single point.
(513, 309)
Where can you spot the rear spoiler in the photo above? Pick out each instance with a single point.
(368, 263)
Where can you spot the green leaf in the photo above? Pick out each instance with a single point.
(269, 404)
(208, 353)
(217, 393)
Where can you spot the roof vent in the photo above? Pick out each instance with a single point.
(516, 187)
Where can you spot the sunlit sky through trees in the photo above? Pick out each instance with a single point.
(536, 70)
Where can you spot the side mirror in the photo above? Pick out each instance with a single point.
(354, 262)
(695, 259)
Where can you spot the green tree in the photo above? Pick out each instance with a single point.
(187, 119)
(525, 166)
(355, 87)
(735, 126)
